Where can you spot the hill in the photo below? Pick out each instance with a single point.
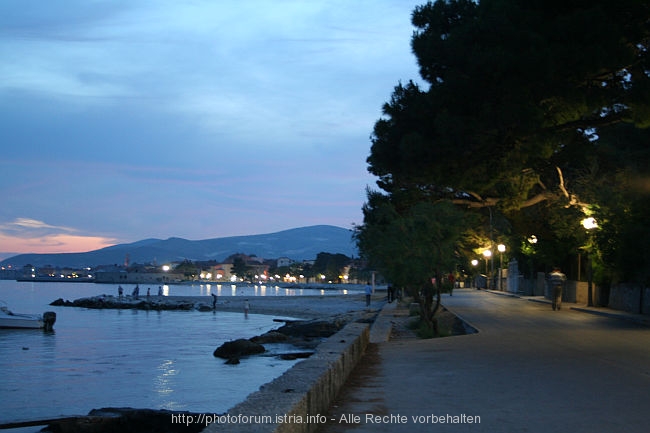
(298, 244)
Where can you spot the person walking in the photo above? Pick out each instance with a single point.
(247, 307)
(368, 295)
(556, 281)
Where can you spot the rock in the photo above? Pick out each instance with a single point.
(311, 328)
(61, 303)
(232, 361)
(126, 420)
(238, 348)
(295, 355)
(270, 337)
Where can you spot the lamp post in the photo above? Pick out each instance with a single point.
(487, 254)
(532, 240)
(474, 263)
(590, 224)
(502, 249)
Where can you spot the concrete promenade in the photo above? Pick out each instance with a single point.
(528, 369)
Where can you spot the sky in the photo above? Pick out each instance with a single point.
(126, 120)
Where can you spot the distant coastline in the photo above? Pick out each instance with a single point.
(298, 244)
(54, 280)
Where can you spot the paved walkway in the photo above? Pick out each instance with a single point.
(528, 369)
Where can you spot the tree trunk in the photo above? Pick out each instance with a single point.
(428, 309)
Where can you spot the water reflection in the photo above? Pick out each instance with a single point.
(162, 382)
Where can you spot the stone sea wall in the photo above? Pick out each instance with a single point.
(297, 400)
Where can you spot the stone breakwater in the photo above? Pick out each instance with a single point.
(305, 307)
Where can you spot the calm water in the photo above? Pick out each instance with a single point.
(127, 358)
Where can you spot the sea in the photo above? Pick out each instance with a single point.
(129, 358)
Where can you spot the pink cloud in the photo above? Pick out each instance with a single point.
(55, 243)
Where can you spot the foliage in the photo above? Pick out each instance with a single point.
(188, 269)
(414, 247)
(240, 268)
(532, 109)
(331, 265)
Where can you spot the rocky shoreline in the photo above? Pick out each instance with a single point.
(305, 307)
(315, 318)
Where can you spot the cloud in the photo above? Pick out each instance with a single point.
(27, 235)
(25, 225)
(128, 120)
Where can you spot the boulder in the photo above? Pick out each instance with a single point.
(270, 337)
(311, 328)
(127, 420)
(238, 348)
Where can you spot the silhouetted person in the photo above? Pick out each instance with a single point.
(556, 280)
(368, 294)
(214, 301)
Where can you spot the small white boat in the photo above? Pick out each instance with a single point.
(9, 319)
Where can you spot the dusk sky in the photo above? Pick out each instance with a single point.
(125, 120)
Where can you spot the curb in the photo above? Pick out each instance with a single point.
(629, 318)
(382, 327)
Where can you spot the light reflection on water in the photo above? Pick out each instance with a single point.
(124, 358)
(220, 290)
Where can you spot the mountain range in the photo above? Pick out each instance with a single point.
(298, 244)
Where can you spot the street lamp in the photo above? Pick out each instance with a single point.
(590, 224)
(532, 240)
(502, 249)
(474, 263)
(487, 254)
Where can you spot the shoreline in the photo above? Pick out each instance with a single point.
(301, 306)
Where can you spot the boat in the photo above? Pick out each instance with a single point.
(9, 319)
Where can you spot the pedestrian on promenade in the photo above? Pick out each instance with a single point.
(368, 294)
(452, 281)
(247, 307)
(214, 301)
(120, 292)
(556, 281)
